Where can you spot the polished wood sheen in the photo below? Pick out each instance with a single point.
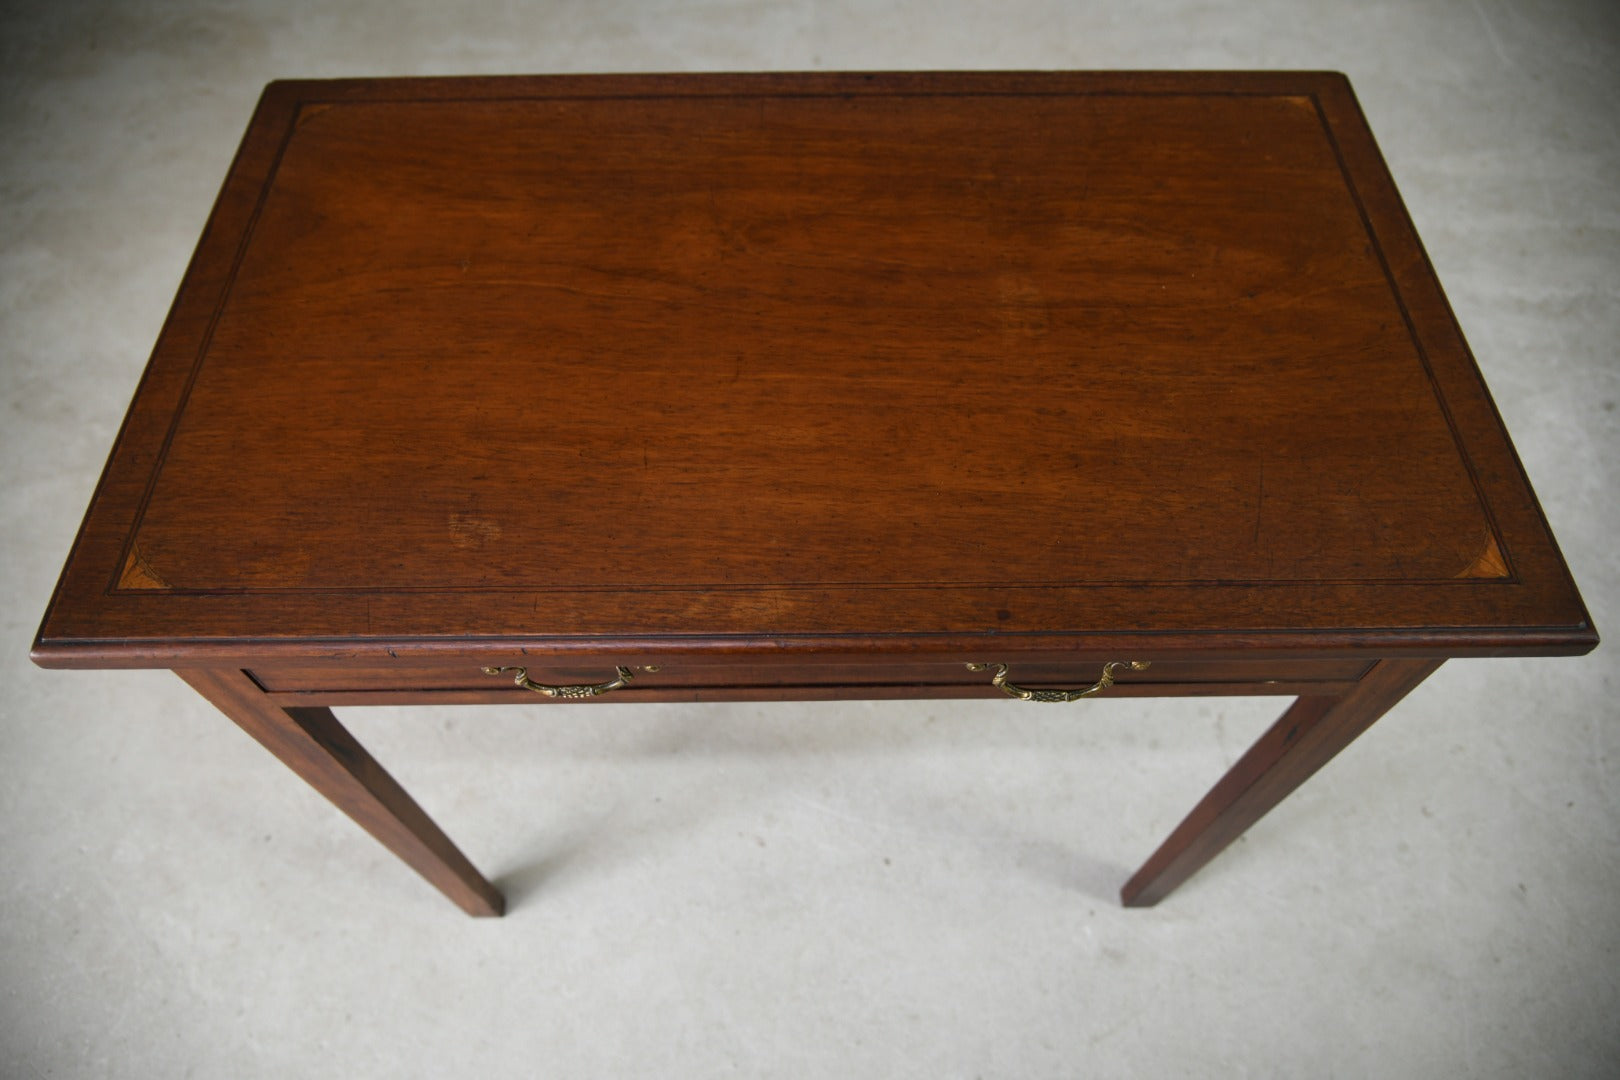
(811, 386)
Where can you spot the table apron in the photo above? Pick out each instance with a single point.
(465, 681)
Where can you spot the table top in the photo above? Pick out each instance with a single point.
(867, 361)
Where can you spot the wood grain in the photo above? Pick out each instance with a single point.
(801, 387)
(468, 672)
(527, 344)
(1092, 358)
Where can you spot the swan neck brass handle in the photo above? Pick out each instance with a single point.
(520, 676)
(999, 681)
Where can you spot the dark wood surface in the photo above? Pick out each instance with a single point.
(312, 743)
(809, 387)
(1306, 738)
(768, 363)
(469, 672)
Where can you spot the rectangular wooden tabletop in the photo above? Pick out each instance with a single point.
(880, 360)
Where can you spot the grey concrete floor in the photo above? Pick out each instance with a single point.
(894, 890)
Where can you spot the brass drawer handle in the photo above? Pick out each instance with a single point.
(520, 676)
(999, 681)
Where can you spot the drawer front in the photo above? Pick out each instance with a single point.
(674, 678)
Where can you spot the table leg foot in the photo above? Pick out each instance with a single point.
(312, 743)
(1296, 746)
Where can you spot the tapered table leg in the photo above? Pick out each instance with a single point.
(1305, 739)
(312, 743)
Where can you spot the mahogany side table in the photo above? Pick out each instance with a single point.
(715, 387)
